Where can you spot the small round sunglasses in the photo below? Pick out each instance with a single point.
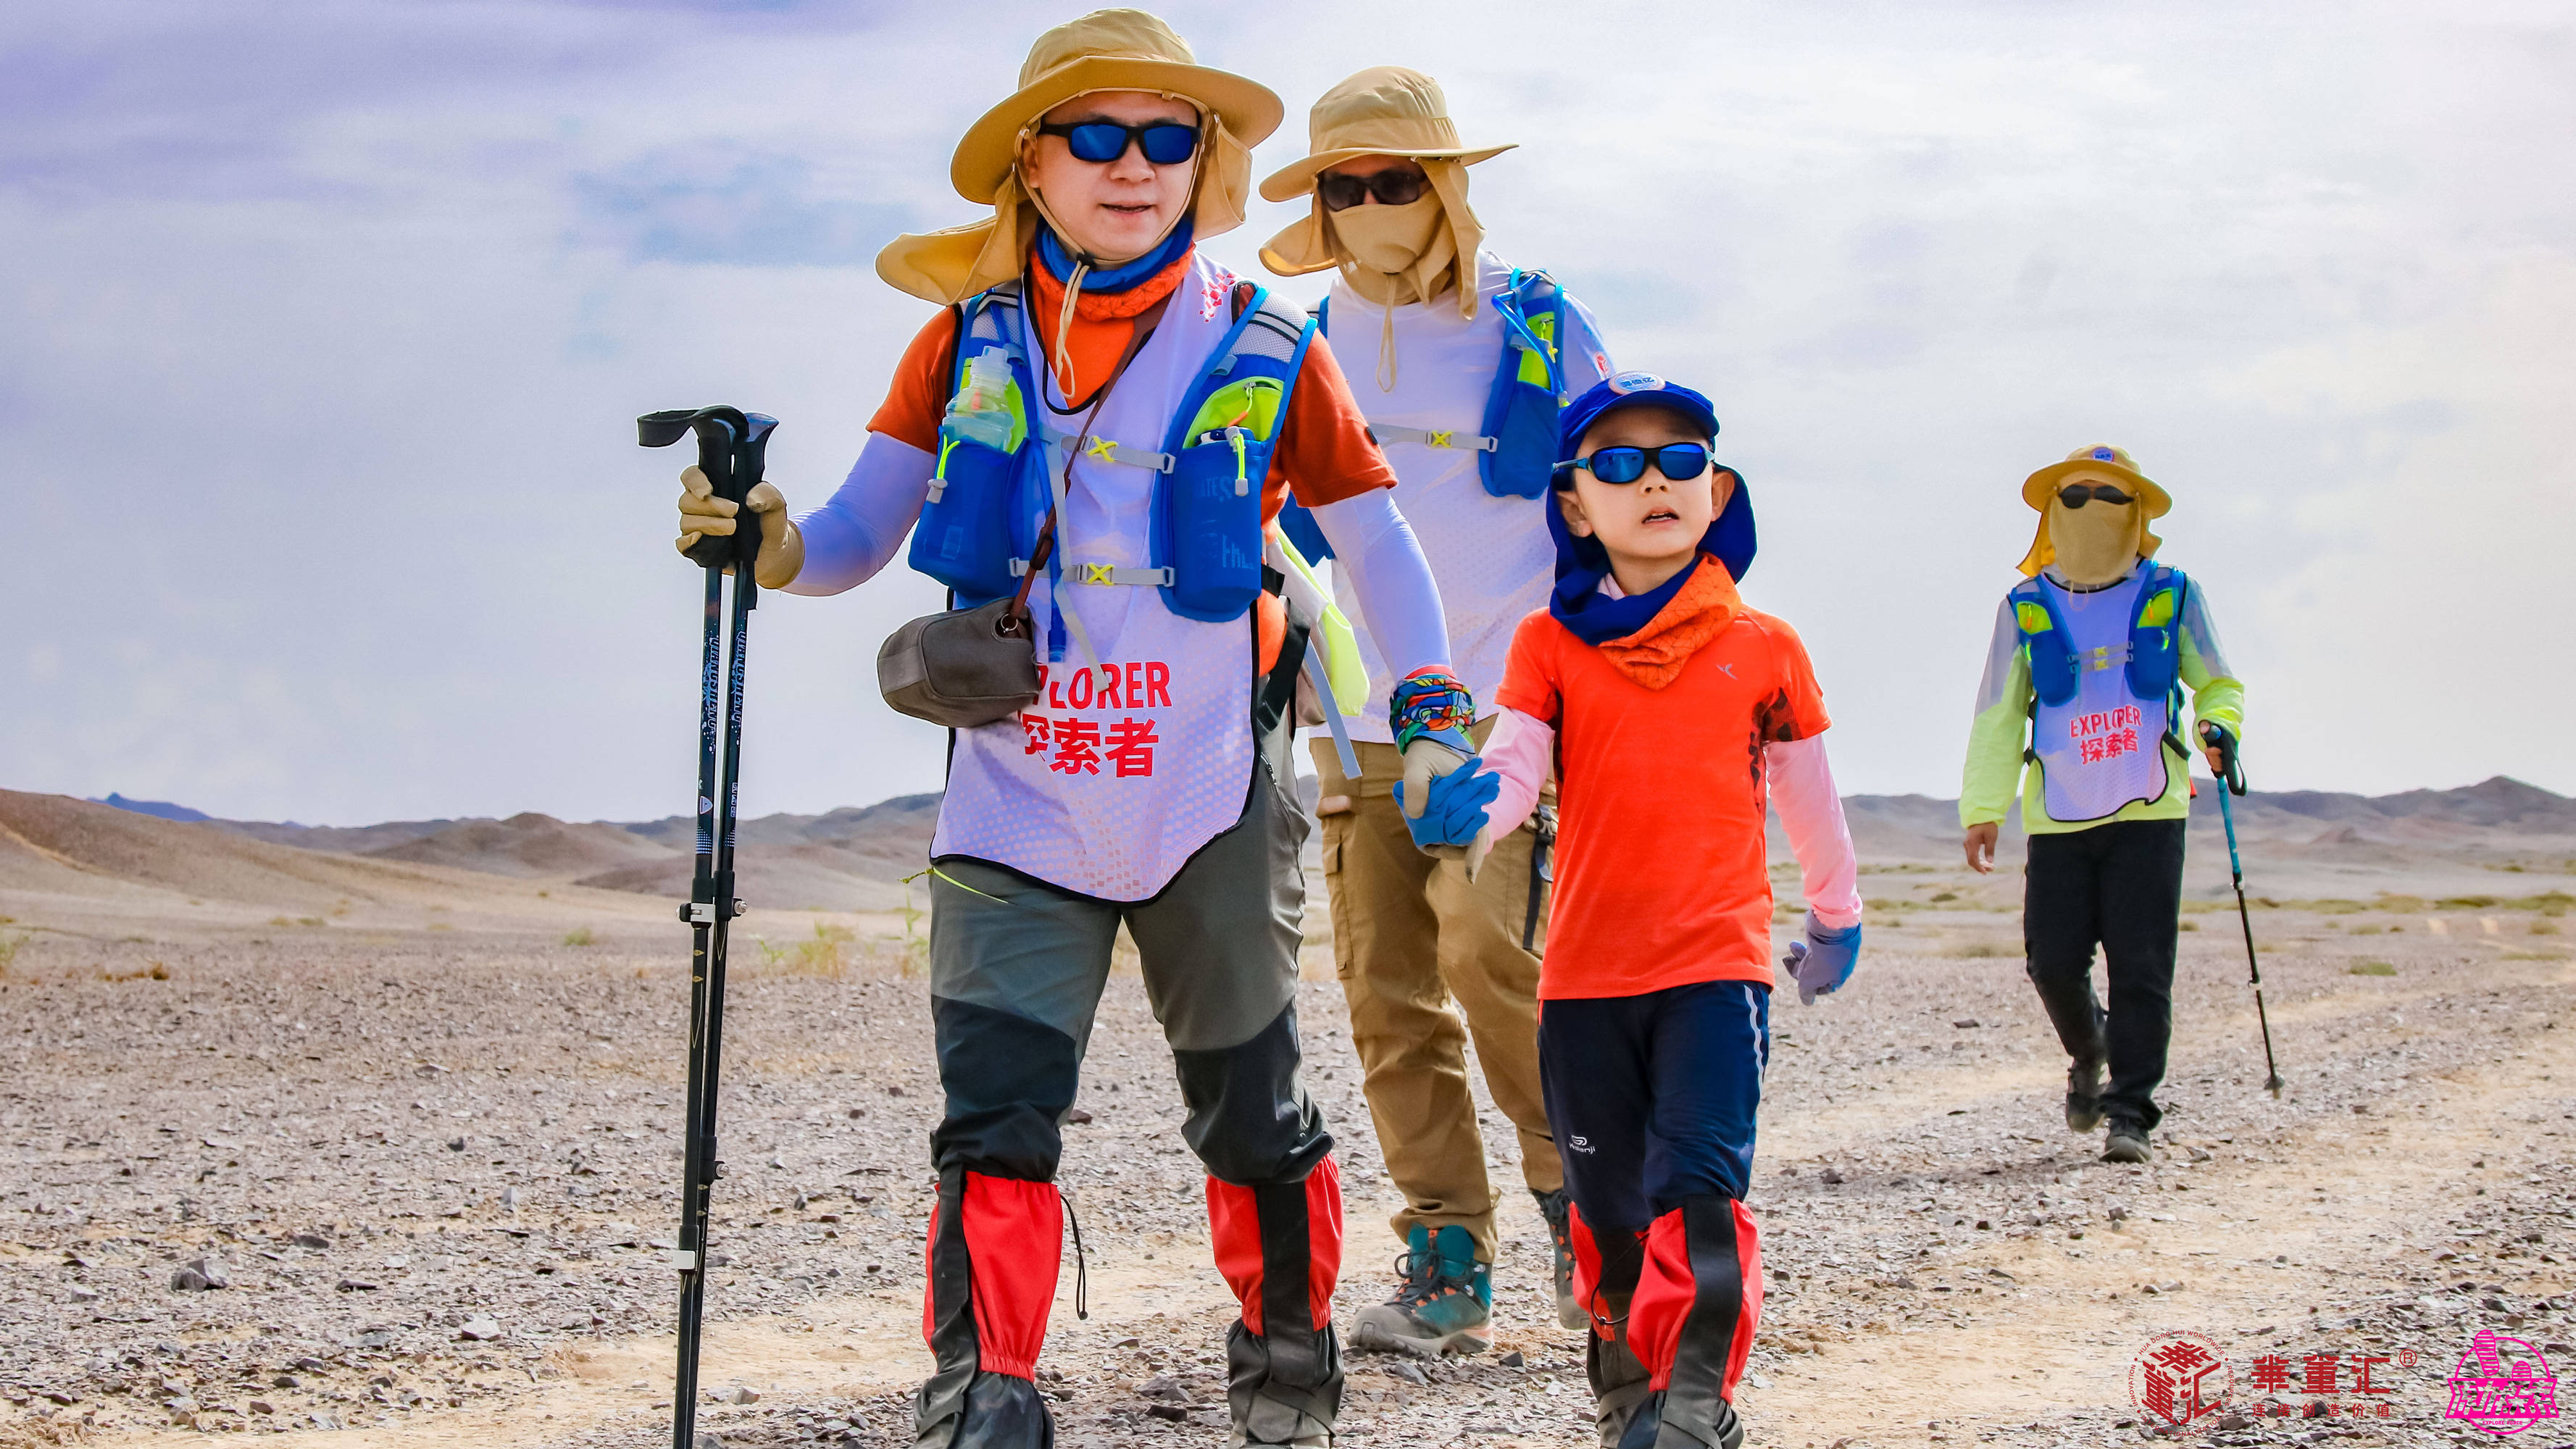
(1166, 143)
(2076, 495)
(1395, 186)
(1679, 462)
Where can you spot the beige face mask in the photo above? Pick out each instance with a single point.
(2096, 544)
(1397, 255)
(1389, 242)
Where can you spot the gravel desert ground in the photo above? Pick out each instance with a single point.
(379, 1152)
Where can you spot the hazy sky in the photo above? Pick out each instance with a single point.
(325, 326)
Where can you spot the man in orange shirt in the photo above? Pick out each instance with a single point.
(1103, 420)
(1677, 714)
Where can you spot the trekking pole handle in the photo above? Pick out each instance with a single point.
(732, 446)
(2215, 736)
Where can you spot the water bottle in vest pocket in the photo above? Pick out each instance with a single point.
(1521, 409)
(965, 533)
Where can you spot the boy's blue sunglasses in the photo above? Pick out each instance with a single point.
(1679, 462)
(1166, 143)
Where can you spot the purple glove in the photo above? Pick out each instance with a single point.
(1822, 962)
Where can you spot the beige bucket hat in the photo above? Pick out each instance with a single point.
(1106, 50)
(2109, 462)
(1385, 110)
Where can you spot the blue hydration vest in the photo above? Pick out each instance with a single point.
(1516, 453)
(2154, 667)
(986, 506)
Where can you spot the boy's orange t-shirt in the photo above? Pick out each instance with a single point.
(1662, 878)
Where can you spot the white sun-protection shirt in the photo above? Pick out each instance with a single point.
(1491, 556)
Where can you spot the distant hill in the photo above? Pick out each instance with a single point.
(158, 809)
(526, 844)
(67, 849)
(854, 857)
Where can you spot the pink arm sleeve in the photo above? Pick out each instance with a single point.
(1802, 791)
(1519, 749)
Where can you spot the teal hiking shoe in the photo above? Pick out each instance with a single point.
(1446, 1304)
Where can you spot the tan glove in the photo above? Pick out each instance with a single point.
(702, 513)
(1425, 761)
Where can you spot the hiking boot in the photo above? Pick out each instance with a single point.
(1558, 1208)
(1648, 1423)
(2127, 1143)
(2083, 1096)
(1445, 1306)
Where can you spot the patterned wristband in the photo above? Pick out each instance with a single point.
(1429, 701)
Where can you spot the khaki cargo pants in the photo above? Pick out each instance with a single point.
(1411, 936)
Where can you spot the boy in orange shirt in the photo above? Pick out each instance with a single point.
(1675, 714)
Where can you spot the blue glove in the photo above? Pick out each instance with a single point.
(1822, 962)
(1454, 810)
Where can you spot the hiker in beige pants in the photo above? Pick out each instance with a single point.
(1411, 935)
(1444, 342)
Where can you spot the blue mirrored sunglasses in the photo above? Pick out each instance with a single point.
(1679, 462)
(1166, 143)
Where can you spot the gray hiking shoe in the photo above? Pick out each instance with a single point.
(2083, 1096)
(1558, 1208)
(2127, 1143)
(1619, 1388)
(1445, 1306)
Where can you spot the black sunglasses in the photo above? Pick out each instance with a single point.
(1395, 186)
(1165, 143)
(2076, 495)
(1678, 462)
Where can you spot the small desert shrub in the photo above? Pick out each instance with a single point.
(829, 953)
(2544, 928)
(2187, 925)
(1981, 951)
(9, 948)
(579, 936)
(2371, 968)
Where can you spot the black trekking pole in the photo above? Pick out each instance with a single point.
(730, 448)
(2233, 783)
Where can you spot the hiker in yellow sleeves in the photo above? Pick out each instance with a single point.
(1461, 362)
(2091, 654)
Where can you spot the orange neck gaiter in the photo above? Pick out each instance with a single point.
(1102, 323)
(1654, 655)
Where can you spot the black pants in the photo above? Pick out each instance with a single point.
(2119, 886)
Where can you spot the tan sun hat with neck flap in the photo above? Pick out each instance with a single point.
(2101, 460)
(1385, 110)
(1106, 50)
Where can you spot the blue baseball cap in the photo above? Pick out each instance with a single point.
(1629, 389)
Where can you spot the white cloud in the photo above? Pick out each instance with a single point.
(328, 324)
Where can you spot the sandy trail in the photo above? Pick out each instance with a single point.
(278, 1080)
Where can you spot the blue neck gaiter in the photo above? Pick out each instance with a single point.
(1120, 278)
(1581, 565)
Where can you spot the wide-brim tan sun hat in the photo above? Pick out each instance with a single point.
(1385, 110)
(1106, 50)
(2040, 487)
